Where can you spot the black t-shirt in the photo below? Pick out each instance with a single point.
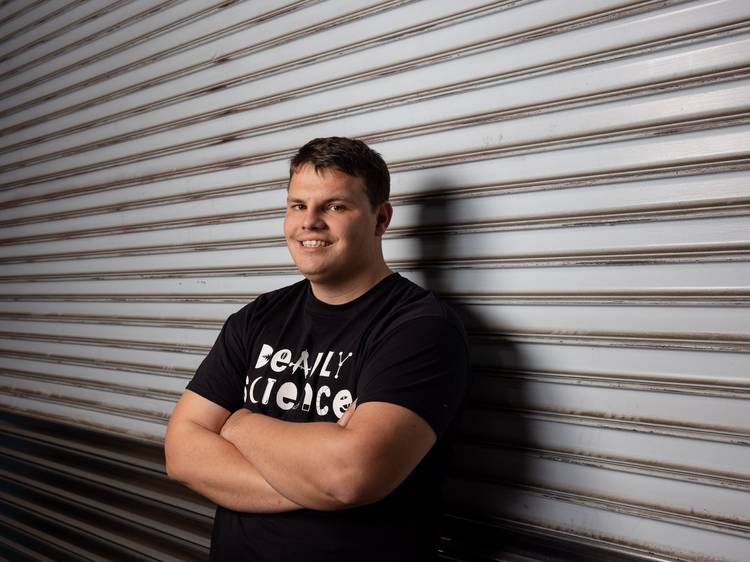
(293, 357)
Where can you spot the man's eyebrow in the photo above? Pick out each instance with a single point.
(336, 197)
(344, 198)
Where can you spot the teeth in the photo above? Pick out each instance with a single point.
(314, 243)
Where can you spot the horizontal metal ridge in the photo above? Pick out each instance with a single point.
(614, 135)
(176, 524)
(675, 386)
(464, 50)
(259, 242)
(27, 6)
(73, 25)
(524, 148)
(703, 297)
(515, 112)
(108, 342)
(690, 386)
(244, 51)
(674, 473)
(718, 209)
(25, 441)
(618, 134)
(84, 361)
(614, 549)
(150, 11)
(30, 5)
(738, 206)
(165, 525)
(692, 341)
(123, 450)
(509, 113)
(728, 343)
(706, 254)
(130, 43)
(78, 403)
(637, 426)
(240, 189)
(161, 322)
(107, 473)
(192, 69)
(116, 431)
(240, 216)
(549, 183)
(22, 551)
(654, 172)
(640, 510)
(242, 298)
(103, 527)
(650, 213)
(115, 388)
(32, 535)
(671, 472)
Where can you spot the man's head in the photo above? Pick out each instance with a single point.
(334, 223)
(351, 156)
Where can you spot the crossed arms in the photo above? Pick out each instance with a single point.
(254, 463)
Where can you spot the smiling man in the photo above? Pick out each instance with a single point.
(317, 421)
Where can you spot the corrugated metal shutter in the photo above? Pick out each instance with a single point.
(573, 175)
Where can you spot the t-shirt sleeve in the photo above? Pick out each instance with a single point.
(422, 365)
(220, 376)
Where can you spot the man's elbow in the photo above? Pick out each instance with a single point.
(356, 487)
(173, 466)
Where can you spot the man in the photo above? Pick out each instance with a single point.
(374, 366)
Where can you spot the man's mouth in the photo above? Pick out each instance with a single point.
(315, 243)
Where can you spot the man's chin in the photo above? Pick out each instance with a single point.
(321, 276)
(314, 275)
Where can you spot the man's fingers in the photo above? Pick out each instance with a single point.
(348, 414)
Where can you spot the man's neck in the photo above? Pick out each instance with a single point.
(342, 293)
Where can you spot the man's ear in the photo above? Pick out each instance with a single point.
(384, 213)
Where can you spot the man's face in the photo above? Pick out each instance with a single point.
(332, 231)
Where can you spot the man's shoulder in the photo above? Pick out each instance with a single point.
(413, 299)
(267, 301)
(409, 302)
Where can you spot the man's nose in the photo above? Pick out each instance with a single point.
(313, 220)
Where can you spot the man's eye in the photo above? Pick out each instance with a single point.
(297, 207)
(336, 208)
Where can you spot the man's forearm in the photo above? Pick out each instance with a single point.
(303, 461)
(213, 467)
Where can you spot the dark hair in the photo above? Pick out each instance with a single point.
(351, 156)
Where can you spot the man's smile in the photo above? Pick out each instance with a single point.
(314, 243)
